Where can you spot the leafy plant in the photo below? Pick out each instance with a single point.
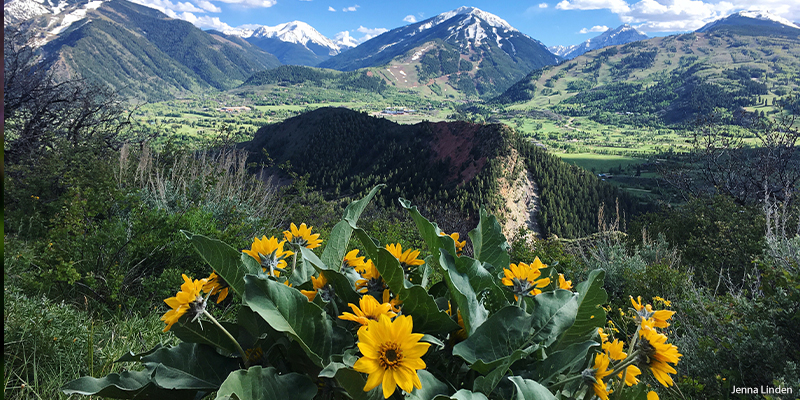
(488, 329)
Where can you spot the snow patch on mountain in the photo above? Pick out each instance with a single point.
(765, 16)
(622, 35)
(292, 32)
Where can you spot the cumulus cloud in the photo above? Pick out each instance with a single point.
(205, 22)
(166, 5)
(596, 28)
(681, 15)
(369, 33)
(351, 8)
(410, 19)
(616, 6)
(208, 6)
(331, 9)
(543, 5)
(252, 3)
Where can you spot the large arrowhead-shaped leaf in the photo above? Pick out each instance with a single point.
(341, 285)
(564, 361)
(259, 383)
(208, 333)
(224, 259)
(465, 276)
(175, 372)
(488, 242)
(463, 394)
(416, 300)
(431, 387)
(530, 390)
(591, 315)
(512, 329)
(287, 310)
(340, 235)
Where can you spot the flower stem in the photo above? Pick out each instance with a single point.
(236, 343)
(568, 380)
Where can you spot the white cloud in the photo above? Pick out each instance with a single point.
(351, 8)
(616, 6)
(543, 5)
(681, 15)
(208, 6)
(369, 33)
(410, 19)
(166, 5)
(252, 3)
(596, 28)
(331, 9)
(205, 22)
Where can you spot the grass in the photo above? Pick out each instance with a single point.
(600, 162)
(47, 344)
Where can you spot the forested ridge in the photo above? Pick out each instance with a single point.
(346, 153)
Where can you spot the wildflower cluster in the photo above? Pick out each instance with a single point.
(648, 349)
(337, 320)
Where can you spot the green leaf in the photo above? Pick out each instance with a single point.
(488, 243)
(340, 235)
(208, 333)
(465, 276)
(341, 285)
(302, 271)
(125, 385)
(259, 383)
(287, 310)
(130, 357)
(591, 315)
(564, 361)
(530, 390)
(512, 329)
(486, 384)
(416, 300)
(431, 387)
(353, 383)
(174, 372)
(463, 394)
(224, 259)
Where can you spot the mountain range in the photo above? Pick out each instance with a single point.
(294, 43)
(478, 51)
(622, 35)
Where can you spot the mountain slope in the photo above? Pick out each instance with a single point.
(622, 35)
(294, 43)
(668, 80)
(753, 23)
(142, 52)
(494, 53)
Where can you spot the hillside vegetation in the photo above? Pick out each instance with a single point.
(668, 79)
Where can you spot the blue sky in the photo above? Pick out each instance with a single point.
(554, 22)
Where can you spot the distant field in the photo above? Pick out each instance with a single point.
(600, 162)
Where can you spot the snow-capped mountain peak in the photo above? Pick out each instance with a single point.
(623, 34)
(765, 16)
(297, 32)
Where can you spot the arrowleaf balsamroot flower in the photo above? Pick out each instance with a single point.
(352, 260)
(646, 312)
(523, 278)
(392, 354)
(188, 300)
(408, 259)
(563, 283)
(597, 373)
(372, 282)
(368, 309)
(216, 286)
(658, 353)
(302, 236)
(459, 245)
(270, 254)
(319, 285)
